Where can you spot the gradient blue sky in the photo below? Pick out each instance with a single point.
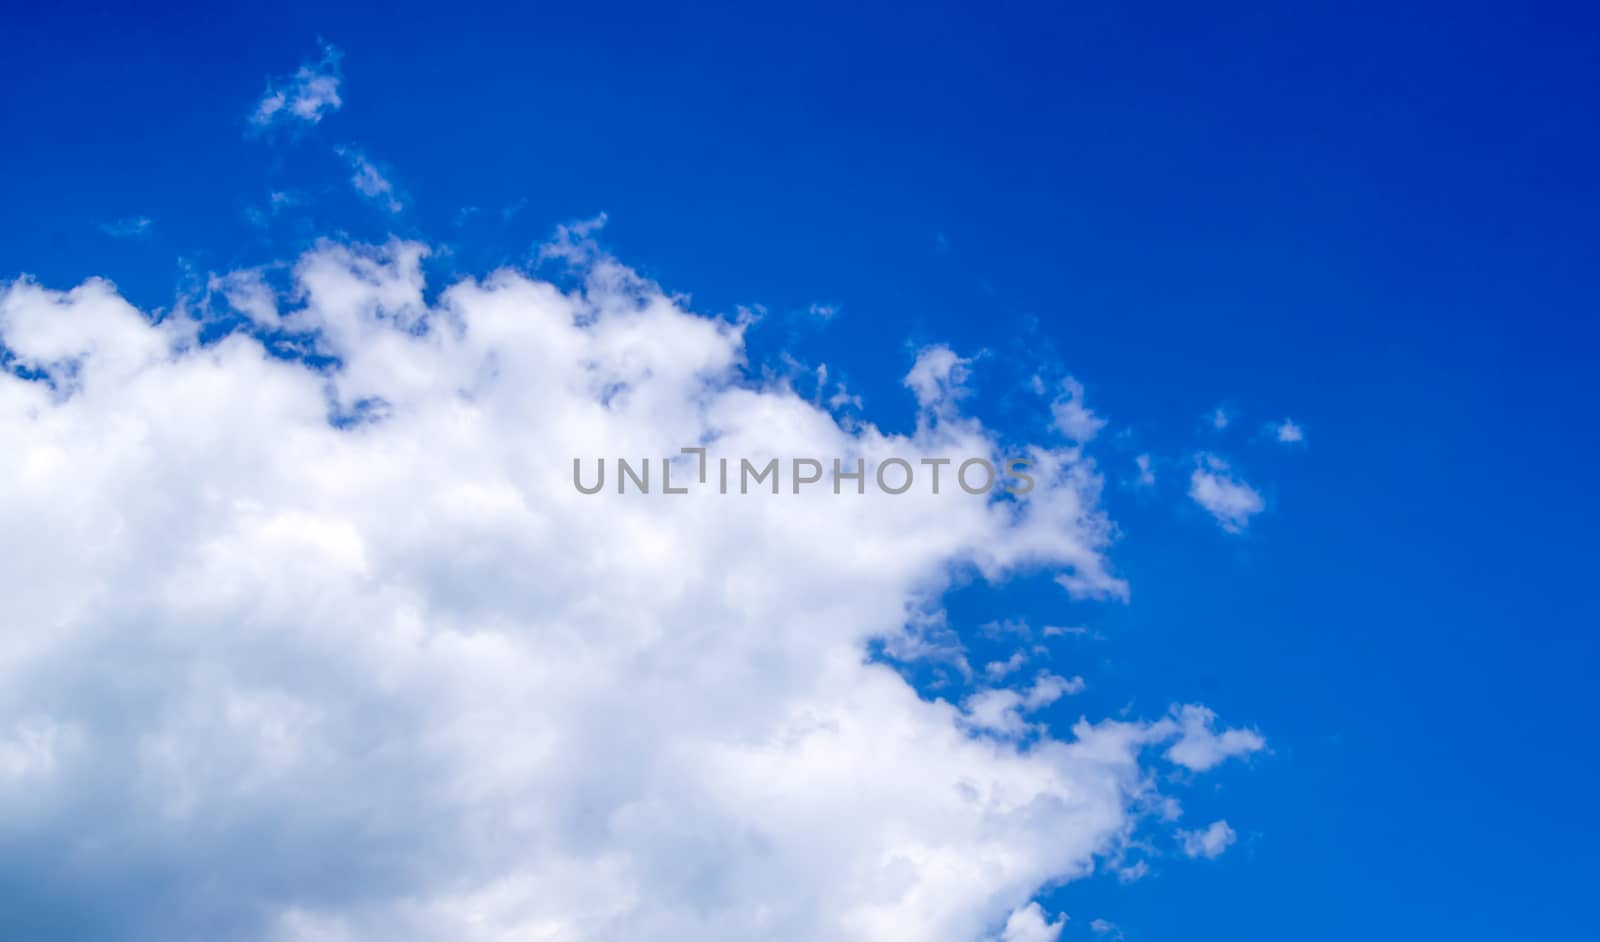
(1378, 219)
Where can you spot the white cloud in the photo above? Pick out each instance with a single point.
(1209, 842)
(1225, 497)
(1000, 710)
(312, 91)
(997, 670)
(248, 293)
(1029, 924)
(938, 377)
(1070, 417)
(338, 652)
(1105, 927)
(1199, 748)
(130, 228)
(370, 181)
(1220, 418)
(1057, 631)
(1001, 627)
(1288, 432)
(823, 312)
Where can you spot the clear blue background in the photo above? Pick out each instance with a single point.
(1376, 218)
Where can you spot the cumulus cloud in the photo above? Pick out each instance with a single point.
(1029, 924)
(370, 181)
(1231, 501)
(305, 96)
(329, 646)
(1208, 842)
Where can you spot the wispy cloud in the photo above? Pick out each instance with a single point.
(1225, 497)
(1289, 432)
(1071, 417)
(277, 202)
(132, 227)
(1147, 474)
(370, 181)
(305, 96)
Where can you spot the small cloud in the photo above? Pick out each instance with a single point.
(997, 670)
(1105, 928)
(843, 398)
(1288, 432)
(1057, 631)
(516, 206)
(1209, 842)
(1005, 626)
(1048, 688)
(1199, 749)
(132, 227)
(823, 312)
(465, 213)
(370, 182)
(576, 243)
(1147, 475)
(305, 96)
(1220, 418)
(277, 202)
(1133, 873)
(999, 710)
(938, 376)
(1231, 501)
(1070, 417)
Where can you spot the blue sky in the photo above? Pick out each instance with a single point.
(1376, 220)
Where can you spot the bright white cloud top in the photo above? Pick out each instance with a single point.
(338, 652)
